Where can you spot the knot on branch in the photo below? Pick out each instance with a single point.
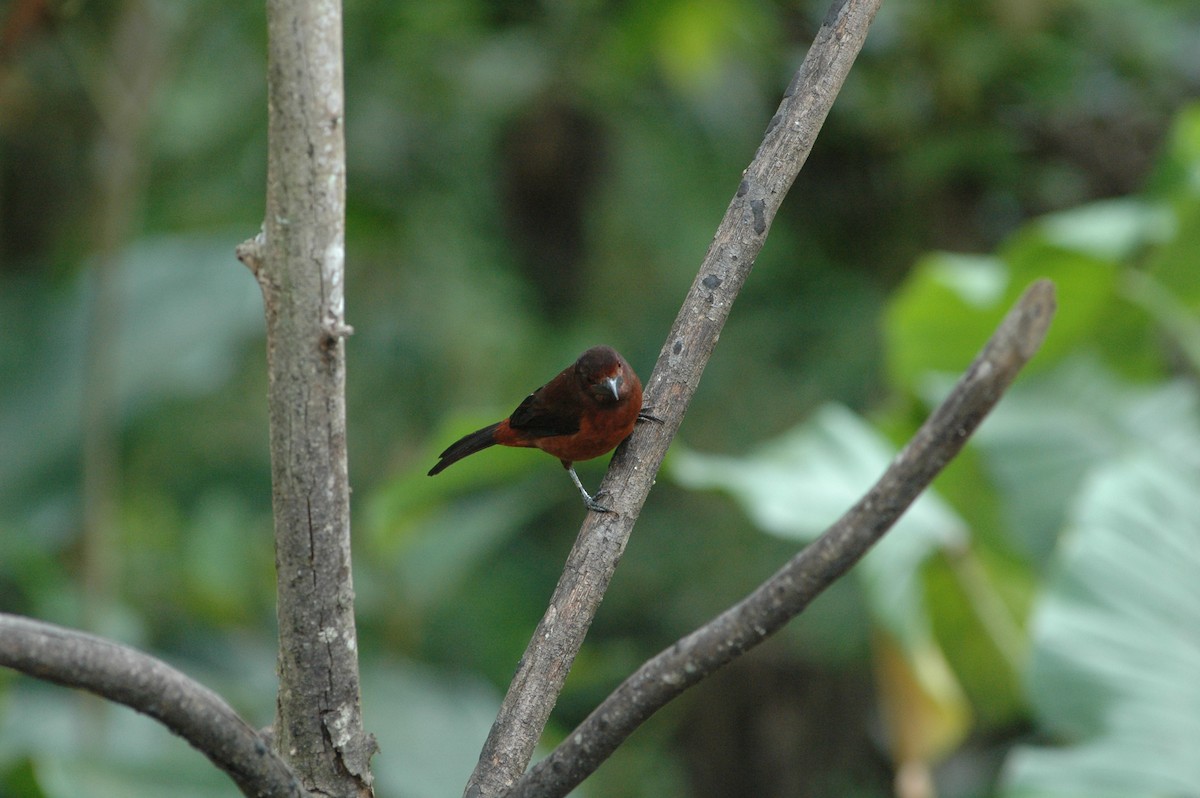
(250, 252)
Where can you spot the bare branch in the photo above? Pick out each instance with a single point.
(150, 686)
(817, 566)
(788, 141)
(299, 261)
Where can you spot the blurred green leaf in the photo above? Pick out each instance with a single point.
(798, 484)
(1115, 655)
(1177, 174)
(1177, 321)
(1086, 289)
(950, 304)
(19, 779)
(1050, 431)
(942, 313)
(1114, 230)
(430, 727)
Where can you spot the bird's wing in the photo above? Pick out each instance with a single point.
(538, 418)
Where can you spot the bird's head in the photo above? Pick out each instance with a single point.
(605, 375)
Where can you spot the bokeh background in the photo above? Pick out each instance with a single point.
(525, 180)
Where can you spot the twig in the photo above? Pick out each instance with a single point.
(152, 687)
(794, 586)
(788, 141)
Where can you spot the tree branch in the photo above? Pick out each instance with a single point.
(601, 542)
(299, 261)
(816, 567)
(149, 686)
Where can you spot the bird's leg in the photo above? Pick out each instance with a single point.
(590, 502)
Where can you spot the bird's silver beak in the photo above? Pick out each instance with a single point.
(614, 385)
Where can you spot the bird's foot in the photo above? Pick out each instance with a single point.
(589, 501)
(593, 502)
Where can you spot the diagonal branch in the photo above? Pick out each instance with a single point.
(150, 686)
(816, 567)
(788, 141)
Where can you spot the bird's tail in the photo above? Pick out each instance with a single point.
(468, 444)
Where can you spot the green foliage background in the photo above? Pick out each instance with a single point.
(526, 180)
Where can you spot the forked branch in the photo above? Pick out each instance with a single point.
(816, 567)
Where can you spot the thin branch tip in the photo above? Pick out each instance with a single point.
(1037, 305)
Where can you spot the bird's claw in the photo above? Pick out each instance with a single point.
(645, 415)
(593, 502)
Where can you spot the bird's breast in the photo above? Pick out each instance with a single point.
(599, 433)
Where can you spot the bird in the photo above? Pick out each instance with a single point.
(584, 412)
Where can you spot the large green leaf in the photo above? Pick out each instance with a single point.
(1049, 432)
(798, 484)
(1116, 229)
(951, 302)
(1116, 651)
(795, 487)
(935, 321)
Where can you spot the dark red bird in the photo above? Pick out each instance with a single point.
(589, 408)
